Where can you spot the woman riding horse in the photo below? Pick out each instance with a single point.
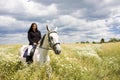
(49, 42)
(34, 36)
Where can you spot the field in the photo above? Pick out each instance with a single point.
(76, 62)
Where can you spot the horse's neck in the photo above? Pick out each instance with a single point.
(44, 52)
(45, 42)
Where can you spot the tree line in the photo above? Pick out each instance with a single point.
(102, 40)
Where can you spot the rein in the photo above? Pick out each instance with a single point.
(45, 48)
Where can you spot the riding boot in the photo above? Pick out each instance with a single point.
(28, 59)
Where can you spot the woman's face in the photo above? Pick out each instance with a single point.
(34, 27)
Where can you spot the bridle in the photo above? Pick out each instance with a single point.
(52, 45)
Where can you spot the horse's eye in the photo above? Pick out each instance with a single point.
(51, 38)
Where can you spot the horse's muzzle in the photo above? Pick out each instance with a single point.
(57, 51)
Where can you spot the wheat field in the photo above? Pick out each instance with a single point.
(76, 62)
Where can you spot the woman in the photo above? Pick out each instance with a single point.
(34, 36)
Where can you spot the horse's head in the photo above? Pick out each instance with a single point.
(53, 40)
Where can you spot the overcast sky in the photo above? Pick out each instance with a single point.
(77, 20)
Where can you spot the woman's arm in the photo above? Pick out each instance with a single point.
(29, 38)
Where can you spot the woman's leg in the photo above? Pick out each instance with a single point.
(29, 58)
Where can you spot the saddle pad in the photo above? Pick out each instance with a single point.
(25, 53)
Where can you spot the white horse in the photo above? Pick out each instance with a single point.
(50, 40)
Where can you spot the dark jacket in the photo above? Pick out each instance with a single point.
(34, 37)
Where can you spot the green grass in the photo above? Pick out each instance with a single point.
(76, 62)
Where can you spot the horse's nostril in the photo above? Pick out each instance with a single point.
(58, 52)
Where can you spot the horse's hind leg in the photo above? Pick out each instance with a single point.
(21, 53)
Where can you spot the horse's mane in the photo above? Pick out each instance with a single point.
(41, 42)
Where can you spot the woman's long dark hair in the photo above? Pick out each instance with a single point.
(30, 29)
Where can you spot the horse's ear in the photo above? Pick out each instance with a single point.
(55, 29)
(47, 28)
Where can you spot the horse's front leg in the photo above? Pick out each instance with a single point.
(48, 67)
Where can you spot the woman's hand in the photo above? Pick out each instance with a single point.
(35, 43)
(38, 42)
